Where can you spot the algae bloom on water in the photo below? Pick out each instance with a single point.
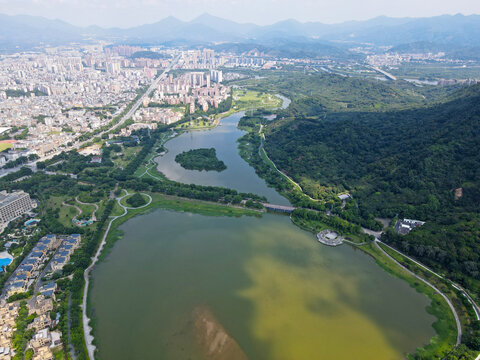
(200, 159)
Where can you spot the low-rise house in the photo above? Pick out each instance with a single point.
(58, 263)
(17, 288)
(43, 353)
(26, 269)
(403, 227)
(41, 322)
(40, 305)
(56, 337)
(37, 255)
(48, 290)
(68, 246)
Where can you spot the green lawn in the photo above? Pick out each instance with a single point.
(247, 99)
(86, 209)
(128, 153)
(5, 146)
(67, 213)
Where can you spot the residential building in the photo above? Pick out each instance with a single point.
(14, 205)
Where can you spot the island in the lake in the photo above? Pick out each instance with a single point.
(200, 159)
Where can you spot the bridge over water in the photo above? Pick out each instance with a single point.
(279, 208)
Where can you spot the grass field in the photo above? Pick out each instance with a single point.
(5, 146)
(67, 213)
(128, 153)
(86, 209)
(246, 99)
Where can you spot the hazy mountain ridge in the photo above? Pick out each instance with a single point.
(27, 31)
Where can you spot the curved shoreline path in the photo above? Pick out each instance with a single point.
(445, 297)
(456, 286)
(87, 330)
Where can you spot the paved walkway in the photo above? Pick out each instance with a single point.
(297, 185)
(76, 207)
(456, 286)
(94, 218)
(445, 297)
(86, 275)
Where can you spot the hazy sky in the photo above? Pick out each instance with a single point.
(126, 13)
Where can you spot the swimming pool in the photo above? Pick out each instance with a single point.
(4, 262)
(32, 222)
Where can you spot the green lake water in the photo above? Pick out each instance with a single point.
(275, 290)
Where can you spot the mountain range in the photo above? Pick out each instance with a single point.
(23, 32)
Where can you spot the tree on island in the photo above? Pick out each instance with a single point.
(200, 159)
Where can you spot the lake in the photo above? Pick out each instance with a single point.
(187, 286)
(238, 175)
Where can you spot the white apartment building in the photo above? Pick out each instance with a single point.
(14, 205)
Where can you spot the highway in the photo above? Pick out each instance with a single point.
(384, 73)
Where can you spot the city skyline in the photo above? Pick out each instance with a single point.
(110, 13)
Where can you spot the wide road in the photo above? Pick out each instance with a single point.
(124, 118)
(137, 104)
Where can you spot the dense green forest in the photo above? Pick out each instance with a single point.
(400, 162)
(200, 159)
(312, 93)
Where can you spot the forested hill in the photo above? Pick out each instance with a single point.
(400, 162)
(408, 161)
(333, 92)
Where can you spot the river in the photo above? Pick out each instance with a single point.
(188, 286)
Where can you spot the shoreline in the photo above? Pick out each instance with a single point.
(394, 269)
(110, 236)
(109, 239)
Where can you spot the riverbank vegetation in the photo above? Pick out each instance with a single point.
(316, 221)
(250, 149)
(200, 159)
(444, 342)
(409, 170)
(329, 146)
(470, 325)
(388, 169)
